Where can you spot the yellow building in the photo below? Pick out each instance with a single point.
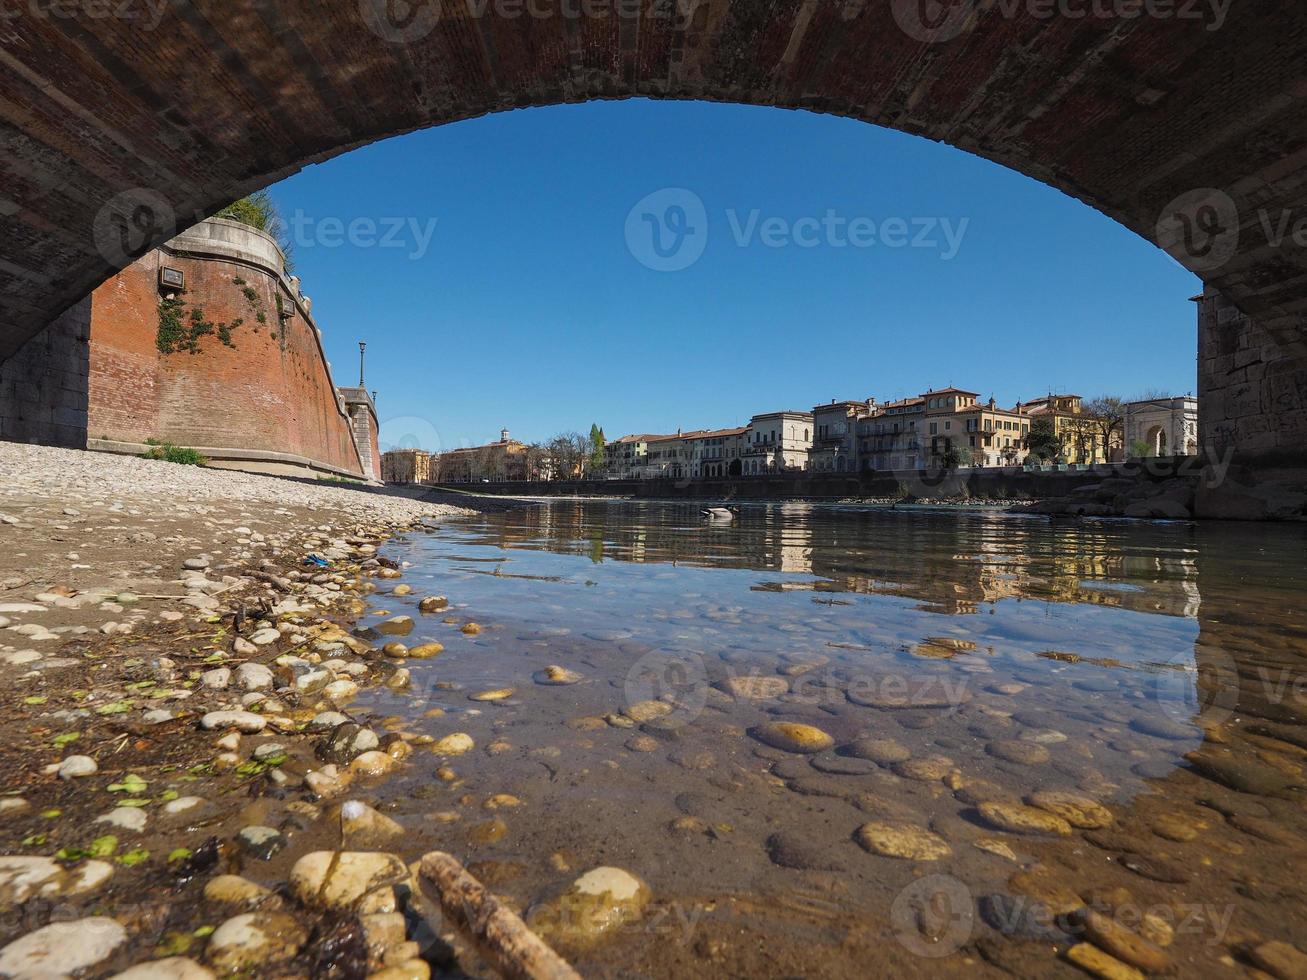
(1080, 435)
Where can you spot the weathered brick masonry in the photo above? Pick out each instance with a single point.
(251, 387)
(266, 389)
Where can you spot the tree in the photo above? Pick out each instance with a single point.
(951, 457)
(1043, 441)
(260, 211)
(1140, 449)
(535, 459)
(597, 443)
(1105, 416)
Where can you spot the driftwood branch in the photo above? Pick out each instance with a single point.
(498, 934)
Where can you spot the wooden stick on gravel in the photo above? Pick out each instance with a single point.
(499, 935)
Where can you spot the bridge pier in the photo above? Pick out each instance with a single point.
(44, 386)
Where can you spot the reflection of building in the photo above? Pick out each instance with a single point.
(1161, 426)
(406, 466)
(777, 442)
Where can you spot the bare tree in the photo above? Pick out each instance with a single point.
(1106, 418)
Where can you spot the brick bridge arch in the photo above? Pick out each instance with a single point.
(126, 121)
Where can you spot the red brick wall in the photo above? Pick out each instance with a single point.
(269, 392)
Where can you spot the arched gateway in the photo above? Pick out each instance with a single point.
(1187, 122)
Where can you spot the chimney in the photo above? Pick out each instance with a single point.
(503, 435)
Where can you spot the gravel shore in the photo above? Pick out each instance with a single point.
(176, 684)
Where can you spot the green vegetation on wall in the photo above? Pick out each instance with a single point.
(180, 330)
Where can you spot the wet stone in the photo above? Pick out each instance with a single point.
(597, 903)
(792, 737)
(1021, 917)
(62, 949)
(1159, 726)
(1019, 751)
(1075, 808)
(261, 842)
(791, 850)
(884, 751)
(842, 765)
(254, 941)
(902, 840)
(1020, 819)
(927, 769)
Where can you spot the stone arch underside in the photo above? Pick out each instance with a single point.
(1194, 121)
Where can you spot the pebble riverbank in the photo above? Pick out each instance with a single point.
(176, 685)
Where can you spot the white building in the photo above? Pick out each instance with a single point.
(1161, 426)
(777, 442)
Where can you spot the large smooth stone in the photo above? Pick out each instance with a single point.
(755, 688)
(792, 736)
(1075, 808)
(1021, 819)
(596, 903)
(318, 882)
(61, 949)
(902, 840)
(254, 940)
(172, 968)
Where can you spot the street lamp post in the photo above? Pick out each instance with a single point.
(362, 348)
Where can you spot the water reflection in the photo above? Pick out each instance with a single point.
(954, 661)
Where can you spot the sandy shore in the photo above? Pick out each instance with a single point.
(168, 663)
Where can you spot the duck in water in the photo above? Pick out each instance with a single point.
(719, 513)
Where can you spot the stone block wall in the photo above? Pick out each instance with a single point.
(1252, 387)
(44, 386)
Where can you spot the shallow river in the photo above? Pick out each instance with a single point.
(1152, 675)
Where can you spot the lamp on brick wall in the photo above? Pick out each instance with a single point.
(171, 282)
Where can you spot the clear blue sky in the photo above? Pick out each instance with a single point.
(529, 310)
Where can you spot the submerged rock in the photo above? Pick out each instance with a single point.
(792, 737)
(1021, 819)
(254, 941)
(596, 903)
(903, 840)
(556, 675)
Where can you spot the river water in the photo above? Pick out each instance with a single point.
(956, 660)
